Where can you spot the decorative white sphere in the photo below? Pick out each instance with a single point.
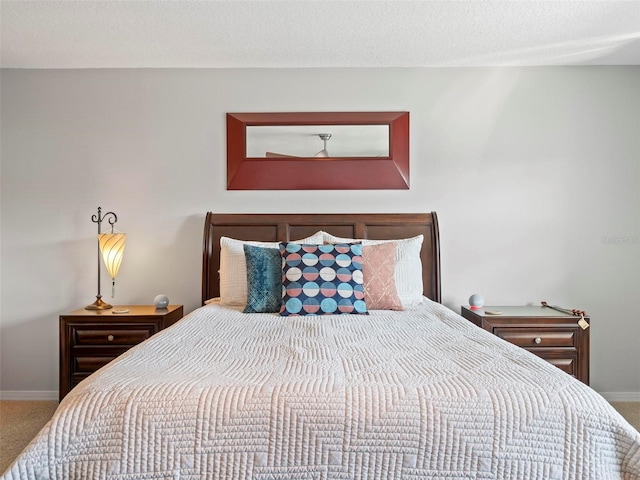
(161, 301)
(476, 301)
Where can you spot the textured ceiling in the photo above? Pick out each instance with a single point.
(314, 33)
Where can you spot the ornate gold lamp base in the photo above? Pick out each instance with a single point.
(98, 304)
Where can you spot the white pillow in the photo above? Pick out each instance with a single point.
(408, 270)
(233, 267)
(328, 238)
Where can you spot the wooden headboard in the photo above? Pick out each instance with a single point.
(285, 227)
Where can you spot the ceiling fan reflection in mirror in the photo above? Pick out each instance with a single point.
(321, 154)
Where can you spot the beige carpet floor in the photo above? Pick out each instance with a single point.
(21, 421)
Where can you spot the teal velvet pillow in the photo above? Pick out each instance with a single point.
(264, 279)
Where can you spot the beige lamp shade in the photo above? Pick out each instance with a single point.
(112, 248)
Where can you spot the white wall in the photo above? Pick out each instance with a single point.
(534, 174)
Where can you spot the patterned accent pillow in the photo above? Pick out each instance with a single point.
(264, 279)
(378, 268)
(322, 279)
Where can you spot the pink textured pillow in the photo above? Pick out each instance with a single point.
(378, 270)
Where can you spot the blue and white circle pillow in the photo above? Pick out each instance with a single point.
(322, 279)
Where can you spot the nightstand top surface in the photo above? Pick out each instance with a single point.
(518, 311)
(134, 310)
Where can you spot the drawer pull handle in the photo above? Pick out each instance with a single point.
(111, 338)
(538, 340)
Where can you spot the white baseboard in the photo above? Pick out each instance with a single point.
(621, 396)
(29, 395)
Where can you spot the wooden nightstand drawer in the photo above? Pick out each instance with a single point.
(91, 363)
(568, 364)
(528, 338)
(90, 335)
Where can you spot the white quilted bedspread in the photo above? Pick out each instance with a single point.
(421, 394)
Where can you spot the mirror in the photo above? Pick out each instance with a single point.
(317, 150)
(309, 141)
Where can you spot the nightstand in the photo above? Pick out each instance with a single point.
(551, 335)
(89, 339)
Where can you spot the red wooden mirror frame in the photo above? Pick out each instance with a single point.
(333, 173)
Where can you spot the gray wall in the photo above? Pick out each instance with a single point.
(534, 174)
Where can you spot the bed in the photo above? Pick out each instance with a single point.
(418, 393)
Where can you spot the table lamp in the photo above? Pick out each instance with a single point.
(110, 248)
